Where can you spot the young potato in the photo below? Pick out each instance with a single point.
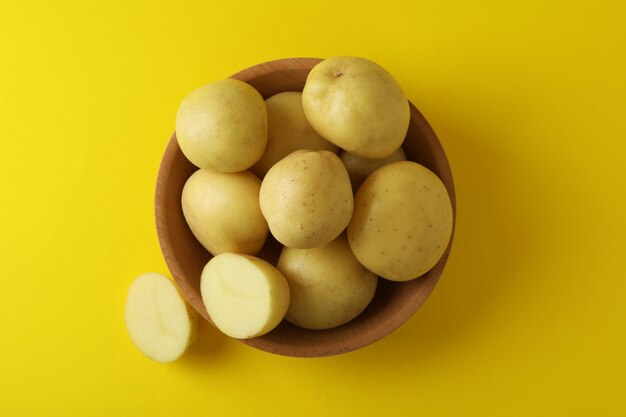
(222, 211)
(357, 105)
(288, 131)
(402, 221)
(244, 296)
(329, 287)
(307, 199)
(158, 319)
(222, 126)
(360, 168)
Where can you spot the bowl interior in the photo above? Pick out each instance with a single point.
(393, 303)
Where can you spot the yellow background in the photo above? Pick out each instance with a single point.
(529, 101)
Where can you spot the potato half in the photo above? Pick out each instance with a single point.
(158, 319)
(244, 296)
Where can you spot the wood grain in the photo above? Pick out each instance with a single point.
(394, 302)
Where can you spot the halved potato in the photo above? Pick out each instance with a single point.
(245, 296)
(158, 319)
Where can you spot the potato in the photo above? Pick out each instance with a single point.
(307, 199)
(222, 211)
(357, 105)
(288, 131)
(222, 126)
(244, 296)
(159, 321)
(402, 221)
(360, 168)
(328, 286)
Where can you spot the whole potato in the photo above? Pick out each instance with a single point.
(222, 126)
(222, 211)
(328, 286)
(307, 199)
(360, 168)
(357, 105)
(287, 130)
(402, 221)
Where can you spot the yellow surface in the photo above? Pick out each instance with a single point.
(528, 98)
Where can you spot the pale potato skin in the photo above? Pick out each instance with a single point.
(288, 131)
(402, 221)
(222, 211)
(360, 168)
(245, 296)
(307, 199)
(222, 126)
(357, 105)
(328, 285)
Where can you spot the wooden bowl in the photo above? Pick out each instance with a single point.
(393, 303)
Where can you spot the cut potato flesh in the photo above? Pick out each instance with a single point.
(244, 296)
(158, 319)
